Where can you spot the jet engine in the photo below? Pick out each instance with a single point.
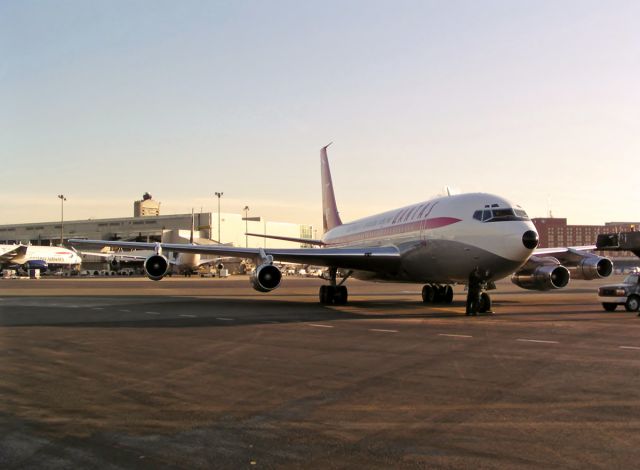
(265, 278)
(592, 267)
(547, 274)
(40, 264)
(156, 267)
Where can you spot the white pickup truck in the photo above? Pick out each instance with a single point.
(626, 293)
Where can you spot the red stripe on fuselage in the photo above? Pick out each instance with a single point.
(395, 230)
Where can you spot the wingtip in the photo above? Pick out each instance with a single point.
(325, 147)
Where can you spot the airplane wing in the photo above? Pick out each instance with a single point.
(15, 252)
(566, 255)
(562, 249)
(367, 259)
(110, 256)
(308, 241)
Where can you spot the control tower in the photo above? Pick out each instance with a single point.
(146, 207)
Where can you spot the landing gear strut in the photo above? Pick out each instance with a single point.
(478, 301)
(334, 293)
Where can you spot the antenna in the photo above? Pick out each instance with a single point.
(193, 221)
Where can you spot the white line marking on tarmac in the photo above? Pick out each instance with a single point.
(153, 313)
(455, 336)
(629, 347)
(225, 319)
(537, 341)
(188, 316)
(124, 310)
(97, 308)
(383, 331)
(319, 326)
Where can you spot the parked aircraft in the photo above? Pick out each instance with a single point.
(473, 239)
(38, 257)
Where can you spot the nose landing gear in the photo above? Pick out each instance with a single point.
(478, 301)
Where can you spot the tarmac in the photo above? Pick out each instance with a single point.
(207, 373)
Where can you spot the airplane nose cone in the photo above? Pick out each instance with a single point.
(530, 239)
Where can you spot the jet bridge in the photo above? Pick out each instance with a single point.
(620, 241)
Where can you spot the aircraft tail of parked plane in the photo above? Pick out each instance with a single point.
(471, 239)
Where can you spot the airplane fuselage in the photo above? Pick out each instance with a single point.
(440, 241)
(51, 255)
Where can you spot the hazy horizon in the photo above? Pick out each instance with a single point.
(535, 101)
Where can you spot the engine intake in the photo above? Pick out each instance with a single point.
(592, 267)
(545, 277)
(156, 267)
(265, 278)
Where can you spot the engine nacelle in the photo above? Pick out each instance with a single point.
(592, 267)
(40, 264)
(156, 267)
(544, 277)
(265, 278)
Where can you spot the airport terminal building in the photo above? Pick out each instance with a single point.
(149, 225)
(556, 232)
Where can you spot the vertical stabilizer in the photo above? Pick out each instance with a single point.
(330, 216)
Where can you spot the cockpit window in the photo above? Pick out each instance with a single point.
(500, 215)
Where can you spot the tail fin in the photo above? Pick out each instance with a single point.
(330, 216)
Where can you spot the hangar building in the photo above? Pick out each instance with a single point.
(149, 225)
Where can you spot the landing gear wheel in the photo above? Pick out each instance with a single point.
(428, 294)
(341, 295)
(439, 294)
(632, 304)
(485, 303)
(333, 295)
(326, 295)
(609, 307)
(447, 298)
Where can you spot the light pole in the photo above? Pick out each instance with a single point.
(62, 199)
(219, 196)
(246, 225)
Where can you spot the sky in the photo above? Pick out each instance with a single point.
(536, 101)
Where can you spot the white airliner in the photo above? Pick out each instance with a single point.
(473, 239)
(40, 257)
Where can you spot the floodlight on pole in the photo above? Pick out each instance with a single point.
(219, 195)
(62, 199)
(246, 225)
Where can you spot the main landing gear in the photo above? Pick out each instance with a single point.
(334, 293)
(437, 294)
(478, 301)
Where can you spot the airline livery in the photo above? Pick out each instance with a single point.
(39, 257)
(471, 239)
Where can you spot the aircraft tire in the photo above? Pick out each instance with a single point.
(325, 298)
(448, 295)
(341, 295)
(428, 294)
(485, 303)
